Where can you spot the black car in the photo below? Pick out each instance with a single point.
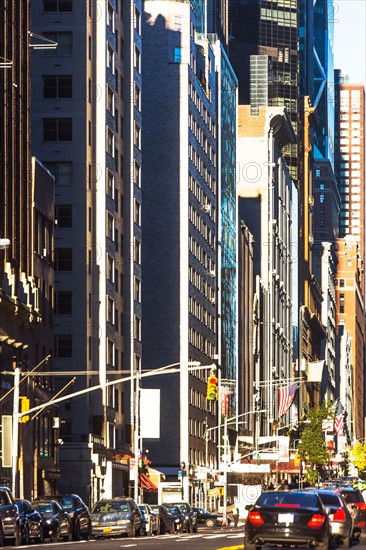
(204, 517)
(9, 517)
(166, 519)
(78, 513)
(56, 521)
(292, 518)
(30, 521)
(178, 517)
(357, 507)
(190, 517)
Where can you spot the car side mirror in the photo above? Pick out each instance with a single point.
(249, 506)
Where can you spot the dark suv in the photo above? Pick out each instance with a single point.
(10, 519)
(189, 515)
(78, 513)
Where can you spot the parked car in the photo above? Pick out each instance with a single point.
(116, 516)
(298, 517)
(78, 513)
(10, 519)
(178, 517)
(190, 524)
(357, 507)
(341, 520)
(31, 522)
(204, 517)
(166, 519)
(150, 520)
(56, 521)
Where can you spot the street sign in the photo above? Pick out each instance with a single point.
(215, 492)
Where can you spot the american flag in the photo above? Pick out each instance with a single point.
(286, 395)
(339, 419)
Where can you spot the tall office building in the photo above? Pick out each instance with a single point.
(26, 270)
(186, 76)
(86, 117)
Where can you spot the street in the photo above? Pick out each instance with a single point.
(205, 539)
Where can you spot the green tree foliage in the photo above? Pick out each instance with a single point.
(358, 456)
(312, 448)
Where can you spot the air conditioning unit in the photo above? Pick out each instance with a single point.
(311, 200)
(212, 273)
(207, 208)
(311, 239)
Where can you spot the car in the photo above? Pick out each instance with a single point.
(190, 523)
(56, 521)
(10, 518)
(116, 516)
(30, 521)
(296, 518)
(204, 517)
(341, 520)
(166, 519)
(150, 520)
(357, 507)
(78, 513)
(178, 517)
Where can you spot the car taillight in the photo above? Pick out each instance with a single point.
(360, 505)
(340, 515)
(255, 518)
(316, 521)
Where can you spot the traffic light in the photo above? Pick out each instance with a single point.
(24, 406)
(212, 388)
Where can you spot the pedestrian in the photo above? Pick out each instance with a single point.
(235, 514)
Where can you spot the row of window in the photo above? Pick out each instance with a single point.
(201, 108)
(201, 313)
(198, 251)
(201, 226)
(197, 340)
(197, 280)
(200, 136)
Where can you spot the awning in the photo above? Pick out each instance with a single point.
(146, 483)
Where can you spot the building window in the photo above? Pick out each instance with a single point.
(110, 226)
(317, 173)
(137, 135)
(110, 353)
(137, 328)
(137, 213)
(110, 142)
(110, 268)
(137, 59)
(177, 58)
(57, 5)
(110, 184)
(57, 86)
(137, 289)
(110, 100)
(64, 44)
(137, 21)
(321, 198)
(63, 215)
(62, 171)
(63, 259)
(137, 174)
(110, 17)
(110, 58)
(137, 97)
(63, 302)
(341, 282)
(57, 129)
(63, 346)
(110, 311)
(137, 250)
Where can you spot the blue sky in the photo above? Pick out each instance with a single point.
(349, 37)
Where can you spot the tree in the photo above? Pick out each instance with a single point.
(312, 447)
(358, 456)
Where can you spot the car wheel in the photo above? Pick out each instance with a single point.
(56, 536)
(26, 537)
(40, 539)
(138, 532)
(346, 542)
(17, 536)
(77, 535)
(210, 522)
(250, 546)
(2, 539)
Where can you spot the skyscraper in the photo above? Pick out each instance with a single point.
(86, 112)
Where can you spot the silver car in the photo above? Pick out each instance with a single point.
(116, 516)
(150, 520)
(341, 520)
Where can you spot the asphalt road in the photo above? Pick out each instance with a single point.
(205, 539)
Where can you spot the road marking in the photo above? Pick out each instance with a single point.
(232, 547)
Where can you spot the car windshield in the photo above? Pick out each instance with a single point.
(329, 498)
(43, 507)
(110, 507)
(296, 500)
(66, 502)
(351, 496)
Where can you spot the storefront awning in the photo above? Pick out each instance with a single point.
(146, 483)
